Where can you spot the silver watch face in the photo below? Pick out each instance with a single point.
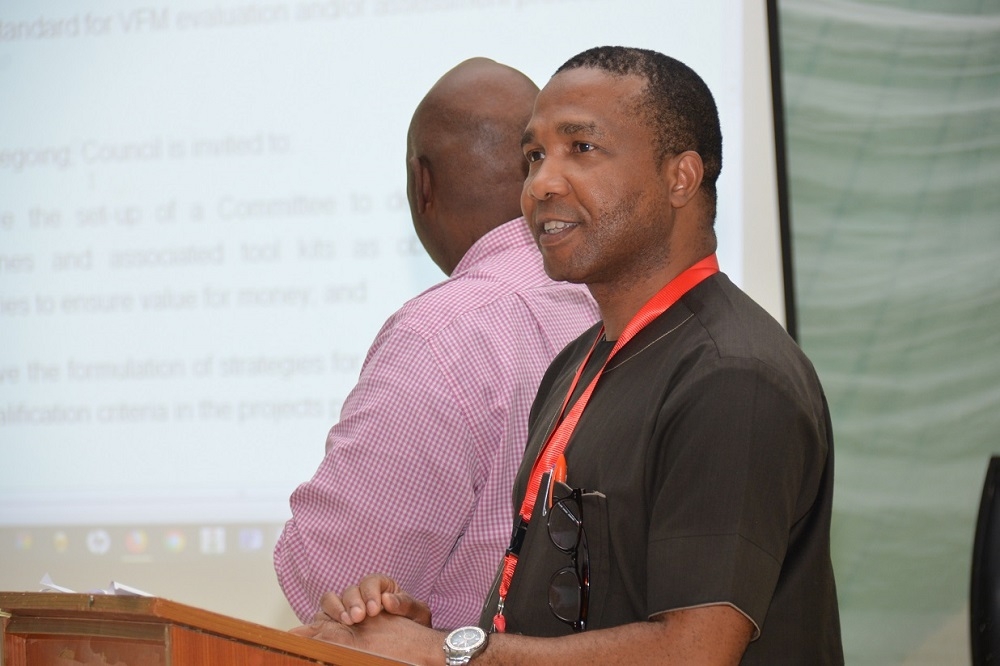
(466, 639)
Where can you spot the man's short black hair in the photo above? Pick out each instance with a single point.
(679, 106)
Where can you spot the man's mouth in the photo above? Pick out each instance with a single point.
(555, 226)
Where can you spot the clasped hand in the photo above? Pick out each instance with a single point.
(375, 615)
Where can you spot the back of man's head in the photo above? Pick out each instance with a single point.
(464, 161)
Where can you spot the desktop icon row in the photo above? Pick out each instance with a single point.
(205, 540)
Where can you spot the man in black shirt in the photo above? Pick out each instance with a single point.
(693, 524)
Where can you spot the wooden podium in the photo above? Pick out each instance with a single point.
(56, 629)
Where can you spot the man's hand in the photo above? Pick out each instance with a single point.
(383, 633)
(356, 619)
(374, 594)
(325, 628)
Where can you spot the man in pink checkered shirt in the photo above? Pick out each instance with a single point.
(416, 481)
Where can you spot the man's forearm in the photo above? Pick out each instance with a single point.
(709, 635)
(716, 635)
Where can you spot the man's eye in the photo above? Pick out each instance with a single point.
(584, 147)
(533, 155)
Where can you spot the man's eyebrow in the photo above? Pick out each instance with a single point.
(579, 128)
(566, 129)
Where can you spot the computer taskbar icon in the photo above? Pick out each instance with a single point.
(98, 542)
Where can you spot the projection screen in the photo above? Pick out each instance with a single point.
(203, 224)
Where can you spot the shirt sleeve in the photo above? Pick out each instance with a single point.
(396, 485)
(742, 467)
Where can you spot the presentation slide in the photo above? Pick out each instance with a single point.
(203, 224)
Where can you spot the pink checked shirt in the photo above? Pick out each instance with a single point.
(417, 478)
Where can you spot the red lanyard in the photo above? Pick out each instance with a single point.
(557, 441)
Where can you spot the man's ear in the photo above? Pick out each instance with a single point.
(423, 190)
(685, 171)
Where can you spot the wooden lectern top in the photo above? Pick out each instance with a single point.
(57, 629)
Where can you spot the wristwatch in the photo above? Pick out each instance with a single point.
(463, 644)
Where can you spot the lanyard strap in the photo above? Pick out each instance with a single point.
(559, 438)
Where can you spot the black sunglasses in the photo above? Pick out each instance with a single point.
(569, 588)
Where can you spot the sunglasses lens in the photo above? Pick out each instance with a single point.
(564, 595)
(564, 526)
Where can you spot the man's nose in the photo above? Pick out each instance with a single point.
(546, 180)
